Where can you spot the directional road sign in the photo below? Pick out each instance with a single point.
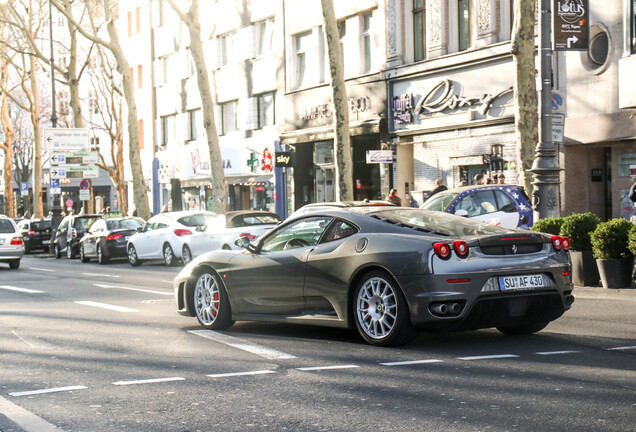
(571, 25)
(66, 139)
(74, 158)
(74, 171)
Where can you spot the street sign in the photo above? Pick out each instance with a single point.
(558, 101)
(69, 203)
(84, 184)
(74, 158)
(24, 189)
(379, 156)
(558, 125)
(66, 139)
(84, 195)
(55, 190)
(74, 171)
(55, 183)
(570, 25)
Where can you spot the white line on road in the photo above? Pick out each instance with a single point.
(26, 420)
(101, 275)
(268, 353)
(168, 281)
(135, 289)
(106, 306)
(148, 381)
(545, 353)
(317, 368)
(621, 348)
(233, 374)
(50, 390)
(23, 290)
(487, 357)
(41, 269)
(411, 362)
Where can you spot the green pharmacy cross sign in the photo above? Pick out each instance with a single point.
(252, 162)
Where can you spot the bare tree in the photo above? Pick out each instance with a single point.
(7, 128)
(526, 114)
(342, 138)
(219, 183)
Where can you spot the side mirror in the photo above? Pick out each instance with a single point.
(242, 242)
(462, 213)
(140, 229)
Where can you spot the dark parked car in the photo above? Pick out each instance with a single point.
(502, 205)
(36, 234)
(388, 271)
(107, 238)
(70, 232)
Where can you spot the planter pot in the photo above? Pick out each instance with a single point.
(616, 273)
(584, 269)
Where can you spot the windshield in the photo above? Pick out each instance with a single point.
(6, 226)
(117, 224)
(438, 223)
(440, 201)
(41, 225)
(196, 220)
(84, 223)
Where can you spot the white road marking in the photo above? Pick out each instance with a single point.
(32, 343)
(411, 362)
(268, 353)
(168, 281)
(106, 306)
(50, 390)
(621, 348)
(135, 289)
(486, 357)
(41, 269)
(556, 352)
(233, 374)
(317, 368)
(23, 290)
(148, 381)
(26, 420)
(101, 275)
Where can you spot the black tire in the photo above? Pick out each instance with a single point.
(209, 301)
(186, 255)
(69, 251)
(226, 247)
(58, 252)
(101, 258)
(168, 255)
(83, 257)
(133, 259)
(380, 311)
(15, 264)
(523, 328)
(27, 249)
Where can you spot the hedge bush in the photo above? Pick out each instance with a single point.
(578, 227)
(548, 225)
(610, 239)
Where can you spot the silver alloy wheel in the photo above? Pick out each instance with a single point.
(168, 255)
(69, 251)
(207, 299)
(376, 307)
(132, 255)
(186, 255)
(100, 256)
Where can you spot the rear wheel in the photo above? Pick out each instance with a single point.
(69, 251)
(186, 255)
(83, 257)
(100, 255)
(211, 303)
(58, 252)
(168, 255)
(15, 264)
(380, 311)
(133, 259)
(523, 328)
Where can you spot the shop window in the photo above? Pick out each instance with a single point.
(463, 24)
(167, 129)
(263, 37)
(195, 123)
(300, 48)
(323, 153)
(266, 109)
(228, 117)
(419, 29)
(367, 41)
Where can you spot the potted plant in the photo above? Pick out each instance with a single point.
(614, 259)
(548, 225)
(578, 227)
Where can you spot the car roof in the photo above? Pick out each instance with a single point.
(477, 187)
(180, 214)
(361, 203)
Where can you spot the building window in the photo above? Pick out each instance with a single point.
(161, 12)
(140, 126)
(139, 77)
(94, 143)
(228, 117)
(300, 48)
(265, 106)
(633, 26)
(419, 29)
(132, 78)
(138, 19)
(264, 37)
(342, 34)
(93, 106)
(129, 23)
(167, 129)
(463, 12)
(366, 42)
(195, 123)
(226, 47)
(190, 66)
(162, 70)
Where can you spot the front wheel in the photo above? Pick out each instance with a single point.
(210, 302)
(380, 311)
(523, 328)
(133, 259)
(83, 257)
(69, 251)
(168, 255)
(100, 255)
(186, 255)
(58, 252)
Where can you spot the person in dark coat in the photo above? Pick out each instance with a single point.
(393, 198)
(439, 187)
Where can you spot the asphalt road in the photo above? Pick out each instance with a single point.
(86, 347)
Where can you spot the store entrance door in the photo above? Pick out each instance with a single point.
(324, 185)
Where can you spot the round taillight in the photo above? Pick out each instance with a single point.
(557, 242)
(442, 250)
(565, 243)
(461, 248)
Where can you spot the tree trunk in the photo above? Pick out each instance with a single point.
(37, 144)
(219, 183)
(7, 127)
(342, 139)
(526, 104)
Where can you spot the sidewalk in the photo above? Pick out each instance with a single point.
(604, 293)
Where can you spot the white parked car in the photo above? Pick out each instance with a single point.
(11, 243)
(163, 235)
(223, 230)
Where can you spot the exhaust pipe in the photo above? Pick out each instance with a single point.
(439, 309)
(569, 299)
(455, 308)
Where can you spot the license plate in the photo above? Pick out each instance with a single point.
(46, 242)
(525, 282)
(126, 238)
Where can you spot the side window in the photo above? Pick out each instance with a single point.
(161, 225)
(339, 230)
(301, 233)
(504, 203)
(149, 226)
(484, 202)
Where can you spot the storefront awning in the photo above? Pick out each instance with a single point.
(326, 133)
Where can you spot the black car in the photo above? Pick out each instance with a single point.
(70, 232)
(36, 234)
(107, 238)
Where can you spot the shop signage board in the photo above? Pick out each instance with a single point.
(283, 159)
(379, 156)
(74, 171)
(570, 25)
(74, 158)
(558, 125)
(66, 139)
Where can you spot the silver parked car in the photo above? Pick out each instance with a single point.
(11, 243)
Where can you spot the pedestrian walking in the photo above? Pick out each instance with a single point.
(393, 198)
(439, 187)
(502, 178)
(632, 192)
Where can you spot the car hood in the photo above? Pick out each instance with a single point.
(217, 259)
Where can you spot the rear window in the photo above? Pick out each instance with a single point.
(440, 202)
(41, 225)
(438, 223)
(253, 219)
(118, 224)
(84, 222)
(196, 220)
(6, 226)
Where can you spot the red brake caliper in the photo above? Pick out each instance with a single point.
(215, 301)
